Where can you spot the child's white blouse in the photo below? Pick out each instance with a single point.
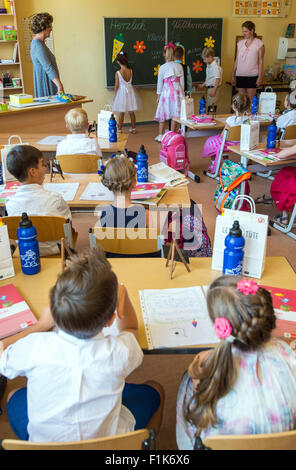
(167, 70)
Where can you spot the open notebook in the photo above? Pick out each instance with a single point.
(176, 317)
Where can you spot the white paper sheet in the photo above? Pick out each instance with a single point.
(176, 317)
(67, 190)
(97, 192)
(51, 140)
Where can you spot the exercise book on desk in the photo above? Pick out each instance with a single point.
(8, 189)
(176, 317)
(97, 192)
(15, 315)
(67, 190)
(162, 173)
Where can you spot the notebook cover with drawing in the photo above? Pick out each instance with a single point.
(8, 189)
(146, 191)
(284, 304)
(176, 317)
(15, 315)
(151, 201)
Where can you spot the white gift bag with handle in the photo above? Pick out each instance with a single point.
(254, 229)
(4, 152)
(267, 101)
(103, 121)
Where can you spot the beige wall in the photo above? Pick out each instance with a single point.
(79, 48)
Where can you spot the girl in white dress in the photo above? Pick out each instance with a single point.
(170, 91)
(126, 99)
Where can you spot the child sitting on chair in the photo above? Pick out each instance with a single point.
(76, 373)
(248, 360)
(78, 142)
(27, 165)
(288, 118)
(241, 105)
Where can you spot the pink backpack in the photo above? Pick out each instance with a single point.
(174, 151)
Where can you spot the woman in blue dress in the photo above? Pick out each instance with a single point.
(45, 70)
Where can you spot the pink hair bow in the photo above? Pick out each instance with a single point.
(170, 44)
(223, 329)
(247, 286)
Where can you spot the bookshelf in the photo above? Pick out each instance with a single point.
(10, 50)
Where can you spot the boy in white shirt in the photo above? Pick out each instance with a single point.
(27, 165)
(76, 374)
(288, 118)
(78, 142)
(213, 77)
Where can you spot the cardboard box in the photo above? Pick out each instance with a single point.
(21, 98)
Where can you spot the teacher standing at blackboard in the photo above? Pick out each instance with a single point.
(45, 70)
(248, 66)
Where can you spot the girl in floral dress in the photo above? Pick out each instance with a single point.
(247, 384)
(170, 91)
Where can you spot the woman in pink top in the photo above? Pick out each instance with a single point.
(248, 66)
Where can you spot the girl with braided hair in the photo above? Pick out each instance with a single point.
(247, 384)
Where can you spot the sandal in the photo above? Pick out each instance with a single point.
(281, 220)
(132, 131)
(263, 200)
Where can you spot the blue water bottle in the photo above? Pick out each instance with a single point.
(272, 135)
(255, 105)
(142, 166)
(112, 129)
(202, 106)
(28, 246)
(234, 251)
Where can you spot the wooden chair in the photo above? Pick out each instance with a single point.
(126, 241)
(233, 133)
(49, 228)
(275, 441)
(142, 439)
(78, 163)
(289, 133)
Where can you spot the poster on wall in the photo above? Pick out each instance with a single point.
(273, 9)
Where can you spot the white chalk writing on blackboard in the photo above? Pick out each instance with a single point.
(188, 24)
(135, 25)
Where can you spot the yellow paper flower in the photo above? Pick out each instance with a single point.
(156, 69)
(209, 42)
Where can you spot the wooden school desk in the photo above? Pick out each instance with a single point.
(178, 195)
(107, 147)
(260, 166)
(139, 274)
(48, 118)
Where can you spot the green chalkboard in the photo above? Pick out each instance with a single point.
(142, 39)
(194, 34)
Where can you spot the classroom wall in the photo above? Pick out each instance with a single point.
(79, 47)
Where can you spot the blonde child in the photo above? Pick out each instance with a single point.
(213, 77)
(288, 118)
(241, 105)
(78, 142)
(247, 383)
(119, 176)
(170, 91)
(126, 98)
(79, 367)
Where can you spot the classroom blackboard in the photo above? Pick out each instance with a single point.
(194, 34)
(142, 39)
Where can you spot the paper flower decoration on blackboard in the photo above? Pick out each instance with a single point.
(209, 42)
(140, 47)
(156, 69)
(197, 66)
